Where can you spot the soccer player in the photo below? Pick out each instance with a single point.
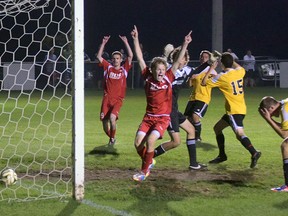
(269, 107)
(158, 89)
(230, 83)
(115, 76)
(200, 97)
(178, 120)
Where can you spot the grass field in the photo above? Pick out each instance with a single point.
(230, 188)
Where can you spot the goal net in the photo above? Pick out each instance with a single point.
(35, 98)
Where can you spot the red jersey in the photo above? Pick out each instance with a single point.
(158, 94)
(115, 80)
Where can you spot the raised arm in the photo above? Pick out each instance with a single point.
(185, 44)
(101, 48)
(137, 48)
(128, 48)
(205, 78)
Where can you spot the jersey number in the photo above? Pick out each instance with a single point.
(237, 87)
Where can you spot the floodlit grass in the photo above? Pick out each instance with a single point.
(230, 188)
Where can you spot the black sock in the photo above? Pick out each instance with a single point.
(191, 145)
(285, 168)
(245, 141)
(220, 141)
(198, 127)
(158, 151)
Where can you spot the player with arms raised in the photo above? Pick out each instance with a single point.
(115, 76)
(158, 89)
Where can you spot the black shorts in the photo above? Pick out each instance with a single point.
(235, 121)
(197, 107)
(177, 118)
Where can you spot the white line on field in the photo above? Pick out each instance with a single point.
(107, 208)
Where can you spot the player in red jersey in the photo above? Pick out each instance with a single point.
(114, 86)
(158, 89)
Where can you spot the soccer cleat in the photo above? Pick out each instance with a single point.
(141, 176)
(218, 159)
(283, 188)
(200, 167)
(198, 139)
(152, 165)
(112, 142)
(254, 159)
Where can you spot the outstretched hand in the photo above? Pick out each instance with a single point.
(134, 32)
(123, 38)
(188, 38)
(105, 39)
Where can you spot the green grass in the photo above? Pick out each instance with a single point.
(230, 188)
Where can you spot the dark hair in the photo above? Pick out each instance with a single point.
(227, 60)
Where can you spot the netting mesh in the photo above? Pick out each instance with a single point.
(35, 99)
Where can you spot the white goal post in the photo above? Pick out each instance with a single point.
(42, 98)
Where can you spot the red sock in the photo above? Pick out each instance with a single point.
(107, 132)
(147, 161)
(112, 133)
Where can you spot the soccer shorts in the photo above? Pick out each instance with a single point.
(110, 106)
(177, 118)
(235, 121)
(197, 107)
(150, 123)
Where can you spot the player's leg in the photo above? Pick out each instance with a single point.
(174, 133)
(191, 146)
(218, 130)
(284, 151)
(174, 141)
(112, 123)
(236, 122)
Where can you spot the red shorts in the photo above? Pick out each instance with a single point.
(110, 106)
(150, 123)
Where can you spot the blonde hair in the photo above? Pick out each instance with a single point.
(156, 61)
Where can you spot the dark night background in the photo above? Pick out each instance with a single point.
(259, 25)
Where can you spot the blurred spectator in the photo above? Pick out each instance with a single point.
(235, 57)
(249, 65)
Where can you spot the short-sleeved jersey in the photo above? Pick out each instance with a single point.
(180, 78)
(230, 83)
(199, 92)
(284, 114)
(158, 94)
(115, 80)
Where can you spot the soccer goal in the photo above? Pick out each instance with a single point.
(42, 108)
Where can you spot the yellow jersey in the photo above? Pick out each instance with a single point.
(230, 84)
(284, 114)
(199, 92)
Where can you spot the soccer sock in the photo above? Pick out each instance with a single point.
(112, 133)
(159, 151)
(147, 161)
(221, 146)
(191, 145)
(285, 168)
(197, 126)
(107, 132)
(141, 152)
(245, 141)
